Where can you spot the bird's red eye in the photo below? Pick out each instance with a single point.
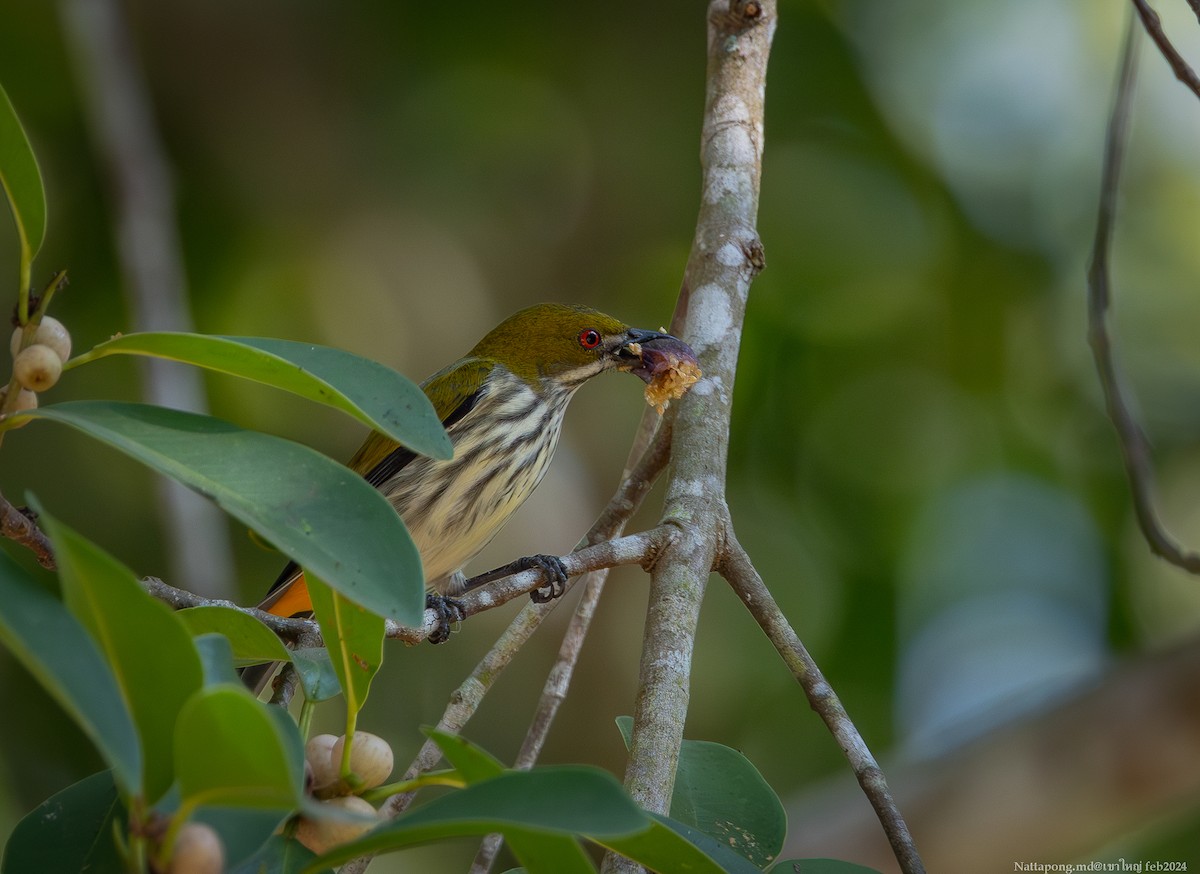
(589, 338)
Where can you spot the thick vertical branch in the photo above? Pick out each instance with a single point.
(726, 255)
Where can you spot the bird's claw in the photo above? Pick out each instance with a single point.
(553, 567)
(449, 611)
(550, 565)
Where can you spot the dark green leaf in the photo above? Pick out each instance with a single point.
(720, 792)
(216, 657)
(320, 513)
(820, 866)
(148, 649)
(230, 751)
(70, 831)
(625, 726)
(568, 800)
(279, 855)
(377, 396)
(353, 638)
(674, 847)
(21, 179)
(56, 649)
(472, 762)
(317, 675)
(538, 850)
(243, 832)
(543, 853)
(252, 642)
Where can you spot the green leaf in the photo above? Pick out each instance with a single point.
(537, 850)
(541, 853)
(252, 642)
(567, 800)
(320, 513)
(375, 395)
(56, 649)
(625, 726)
(721, 793)
(316, 672)
(216, 657)
(820, 866)
(279, 855)
(243, 832)
(21, 179)
(70, 831)
(471, 761)
(672, 846)
(148, 648)
(353, 638)
(231, 751)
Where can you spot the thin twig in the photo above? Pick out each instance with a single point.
(741, 574)
(1150, 20)
(637, 548)
(123, 126)
(466, 699)
(18, 527)
(285, 685)
(553, 694)
(180, 599)
(633, 549)
(1135, 446)
(648, 457)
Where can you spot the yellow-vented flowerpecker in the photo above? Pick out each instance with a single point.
(502, 405)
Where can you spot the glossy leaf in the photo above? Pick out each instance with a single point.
(542, 853)
(243, 832)
(721, 793)
(568, 800)
(317, 511)
(148, 649)
(230, 751)
(279, 855)
(317, 676)
(353, 638)
(21, 179)
(471, 761)
(55, 648)
(216, 657)
(672, 846)
(375, 395)
(70, 831)
(252, 642)
(821, 866)
(538, 851)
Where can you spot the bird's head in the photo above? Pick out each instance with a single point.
(566, 344)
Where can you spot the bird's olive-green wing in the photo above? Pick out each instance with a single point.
(454, 391)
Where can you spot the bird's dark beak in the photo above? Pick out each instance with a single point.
(643, 351)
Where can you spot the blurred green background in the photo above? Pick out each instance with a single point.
(920, 461)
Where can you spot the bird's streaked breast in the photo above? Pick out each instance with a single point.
(502, 449)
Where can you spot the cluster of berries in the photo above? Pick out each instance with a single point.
(371, 764)
(198, 848)
(38, 366)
